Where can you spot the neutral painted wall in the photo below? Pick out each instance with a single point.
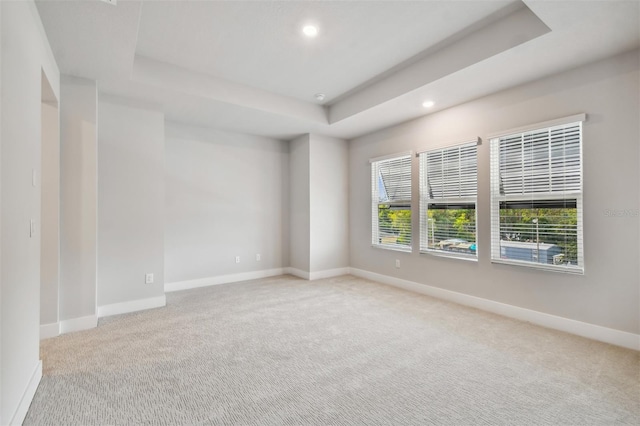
(300, 204)
(226, 196)
(130, 203)
(25, 53)
(329, 203)
(78, 205)
(50, 222)
(1, 203)
(608, 293)
(319, 203)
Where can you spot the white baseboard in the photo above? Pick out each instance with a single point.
(27, 395)
(329, 273)
(590, 331)
(132, 306)
(221, 279)
(318, 275)
(78, 324)
(297, 272)
(48, 331)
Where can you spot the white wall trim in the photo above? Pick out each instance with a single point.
(132, 306)
(297, 272)
(590, 331)
(48, 331)
(391, 156)
(329, 273)
(27, 396)
(78, 324)
(318, 275)
(221, 279)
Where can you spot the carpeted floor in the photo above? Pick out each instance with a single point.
(340, 351)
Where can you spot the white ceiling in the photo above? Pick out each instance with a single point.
(244, 66)
(259, 44)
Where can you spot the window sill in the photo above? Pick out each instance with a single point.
(576, 270)
(392, 248)
(449, 255)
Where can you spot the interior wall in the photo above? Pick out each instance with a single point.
(25, 54)
(50, 223)
(608, 293)
(78, 195)
(329, 203)
(130, 203)
(1, 203)
(226, 196)
(300, 203)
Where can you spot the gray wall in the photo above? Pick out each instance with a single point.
(329, 203)
(226, 196)
(25, 53)
(78, 198)
(300, 203)
(50, 223)
(1, 208)
(319, 203)
(608, 293)
(130, 203)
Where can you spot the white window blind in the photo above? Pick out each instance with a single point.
(391, 203)
(448, 195)
(536, 198)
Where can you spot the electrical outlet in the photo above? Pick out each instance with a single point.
(237, 259)
(258, 257)
(148, 278)
(398, 263)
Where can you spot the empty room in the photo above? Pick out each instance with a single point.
(319, 212)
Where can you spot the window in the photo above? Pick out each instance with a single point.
(536, 197)
(391, 202)
(448, 194)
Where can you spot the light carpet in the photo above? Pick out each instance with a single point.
(339, 351)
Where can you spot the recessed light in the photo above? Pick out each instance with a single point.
(319, 97)
(310, 30)
(428, 104)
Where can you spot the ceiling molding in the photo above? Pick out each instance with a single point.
(494, 37)
(181, 80)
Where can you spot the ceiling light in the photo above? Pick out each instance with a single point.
(428, 104)
(310, 31)
(319, 97)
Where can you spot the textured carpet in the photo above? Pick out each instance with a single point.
(341, 351)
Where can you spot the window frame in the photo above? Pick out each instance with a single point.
(426, 200)
(531, 197)
(375, 202)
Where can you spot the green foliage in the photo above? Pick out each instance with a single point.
(555, 226)
(445, 224)
(396, 220)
